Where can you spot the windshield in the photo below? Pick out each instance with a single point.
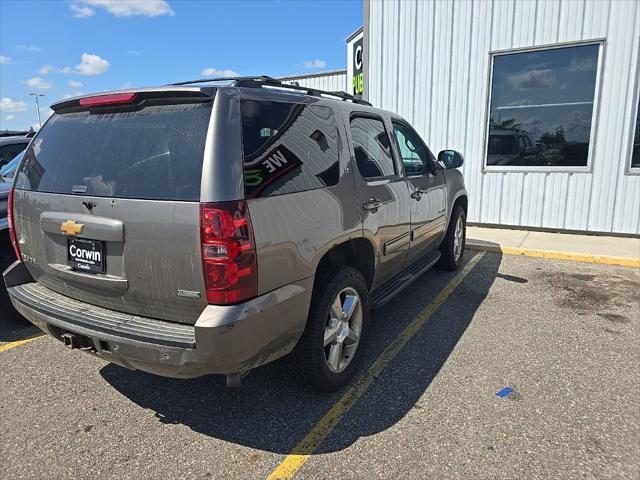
(155, 152)
(10, 168)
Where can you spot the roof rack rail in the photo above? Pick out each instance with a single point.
(264, 80)
(224, 79)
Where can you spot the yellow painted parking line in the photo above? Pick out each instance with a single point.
(301, 453)
(554, 255)
(17, 343)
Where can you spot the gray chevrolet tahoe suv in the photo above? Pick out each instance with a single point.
(190, 229)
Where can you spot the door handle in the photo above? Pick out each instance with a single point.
(417, 194)
(372, 205)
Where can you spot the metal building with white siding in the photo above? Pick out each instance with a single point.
(332, 81)
(540, 96)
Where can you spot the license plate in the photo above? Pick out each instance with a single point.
(86, 255)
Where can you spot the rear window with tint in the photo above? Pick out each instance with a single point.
(152, 153)
(288, 147)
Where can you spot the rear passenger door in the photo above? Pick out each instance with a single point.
(382, 192)
(427, 191)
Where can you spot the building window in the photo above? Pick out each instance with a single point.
(635, 153)
(542, 108)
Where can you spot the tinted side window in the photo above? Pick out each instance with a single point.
(371, 147)
(8, 152)
(288, 147)
(413, 151)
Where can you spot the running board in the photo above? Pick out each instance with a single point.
(390, 289)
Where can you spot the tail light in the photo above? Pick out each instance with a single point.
(228, 252)
(110, 99)
(12, 223)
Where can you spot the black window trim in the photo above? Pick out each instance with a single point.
(399, 169)
(635, 110)
(597, 98)
(431, 170)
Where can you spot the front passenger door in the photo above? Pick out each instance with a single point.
(428, 191)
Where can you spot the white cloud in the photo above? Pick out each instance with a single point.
(317, 63)
(75, 84)
(213, 72)
(9, 105)
(9, 117)
(134, 52)
(81, 11)
(39, 83)
(90, 64)
(127, 85)
(46, 69)
(583, 64)
(4, 60)
(532, 79)
(28, 48)
(121, 8)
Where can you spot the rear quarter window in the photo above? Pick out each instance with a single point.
(288, 147)
(152, 153)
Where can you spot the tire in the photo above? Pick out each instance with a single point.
(450, 250)
(312, 358)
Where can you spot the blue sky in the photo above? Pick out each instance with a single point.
(65, 48)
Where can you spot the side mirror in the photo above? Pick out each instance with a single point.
(451, 158)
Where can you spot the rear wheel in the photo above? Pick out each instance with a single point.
(452, 247)
(329, 350)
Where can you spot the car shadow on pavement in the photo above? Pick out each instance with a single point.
(272, 411)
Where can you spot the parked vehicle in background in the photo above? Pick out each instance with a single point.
(6, 179)
(515, 147)
(186, 230)
(10, 147)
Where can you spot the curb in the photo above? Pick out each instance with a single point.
(553, 255)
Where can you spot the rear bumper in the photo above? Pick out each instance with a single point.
(225, 339)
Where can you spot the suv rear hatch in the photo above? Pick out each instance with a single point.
(107, 202)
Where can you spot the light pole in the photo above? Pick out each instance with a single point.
(38, 106)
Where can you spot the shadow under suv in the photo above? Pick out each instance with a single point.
(187, 229)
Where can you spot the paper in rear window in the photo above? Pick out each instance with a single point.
(152, 153)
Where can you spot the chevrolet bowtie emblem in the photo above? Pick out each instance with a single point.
(70, 227)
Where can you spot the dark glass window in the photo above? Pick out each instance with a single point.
(371, 147)
(152, 153)
(288, 147)
(8, 152)
(413, 151)
(542, 107)
(635, 154)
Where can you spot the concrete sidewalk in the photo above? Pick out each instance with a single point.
(624, 251)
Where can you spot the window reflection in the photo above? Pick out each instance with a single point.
(542, 107)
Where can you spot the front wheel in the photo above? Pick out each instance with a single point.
(329, 351)
(452, 247)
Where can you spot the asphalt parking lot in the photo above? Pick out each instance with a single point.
(564, 336)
